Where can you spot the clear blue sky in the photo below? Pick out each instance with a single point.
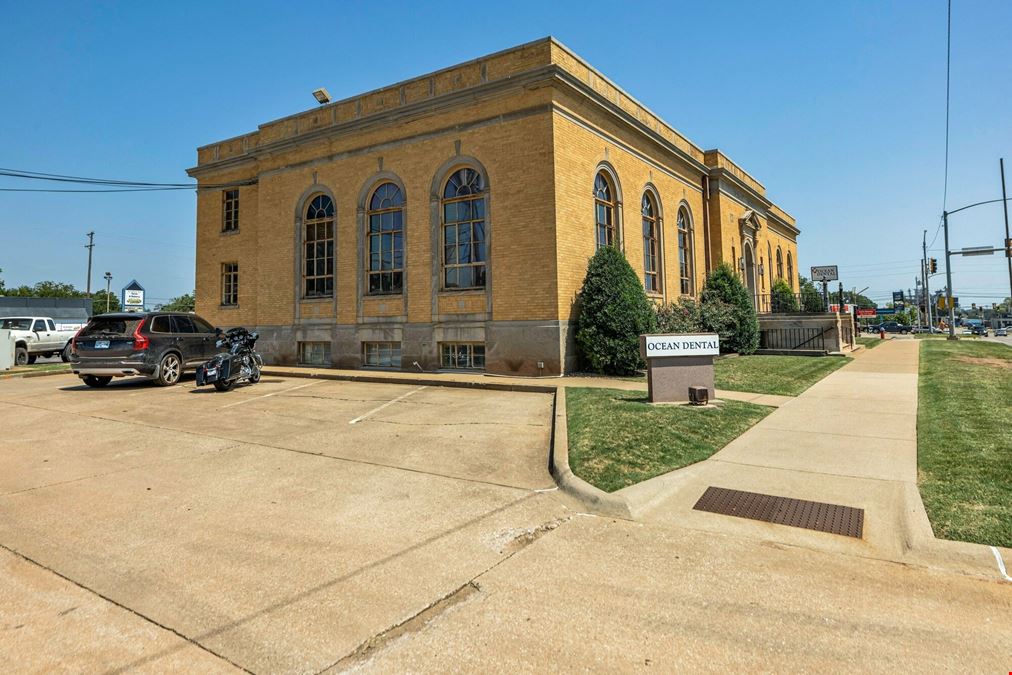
(837, 107)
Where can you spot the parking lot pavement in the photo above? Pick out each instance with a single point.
(262, 524)
(149, 529)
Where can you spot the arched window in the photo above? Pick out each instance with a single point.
(780, 265)
(604, 211)
(465, 245)
(685, 254)
(385, 235)
(769, 263)
(790, 270)
(318, 247)
(651, 245)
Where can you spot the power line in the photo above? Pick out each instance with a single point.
(107, 184)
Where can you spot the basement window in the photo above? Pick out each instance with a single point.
(314, 353)
(462, 355)
(381, 354)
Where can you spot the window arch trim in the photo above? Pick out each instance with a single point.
(685, 240)
(653, 245)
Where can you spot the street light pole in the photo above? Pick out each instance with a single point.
(927, 275)
(948, 278)
(108, 297)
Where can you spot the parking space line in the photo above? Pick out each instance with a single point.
(388, 403)
(284, 391)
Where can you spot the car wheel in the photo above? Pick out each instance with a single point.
(96, 380)
(224, 386)
(169, 370)
(32, 358)
(20, 356)
(65, 354)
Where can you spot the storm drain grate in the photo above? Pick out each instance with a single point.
(830, 518)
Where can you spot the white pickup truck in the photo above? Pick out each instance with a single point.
(36, 336)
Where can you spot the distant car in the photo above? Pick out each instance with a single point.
(894, 327)
(980, 330)
(157, 345)
(1001, 332)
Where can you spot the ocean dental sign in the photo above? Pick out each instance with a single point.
(682, 345)
(677, 362)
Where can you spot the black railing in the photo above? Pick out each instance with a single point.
(791, 339)
(793, 303)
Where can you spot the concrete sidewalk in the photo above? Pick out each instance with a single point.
(851, 439)
(520, 383)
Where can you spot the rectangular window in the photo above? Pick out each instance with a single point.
(381, 354)
(319, 259)
(230, 284)
(314, 353)
(230, 210)
(462, 355)
(386, 252)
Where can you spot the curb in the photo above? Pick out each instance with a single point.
(19, 376)
(594, 499)
(420, 381)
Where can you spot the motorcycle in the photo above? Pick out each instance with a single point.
(240, 363)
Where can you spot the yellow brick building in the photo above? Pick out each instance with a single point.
(447, 221)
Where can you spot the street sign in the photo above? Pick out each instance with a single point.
(861, 311)
(825, 273)
(885, 310)
(898, 296)
(978, 250)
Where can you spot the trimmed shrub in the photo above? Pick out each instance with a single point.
(727, 310)
(782, 298)
(682, 316)
(614, 312)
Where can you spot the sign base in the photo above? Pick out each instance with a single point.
(669, 377)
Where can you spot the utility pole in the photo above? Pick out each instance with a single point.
(1004, 202)
(927, 274)
(90, 245)
(948, 278)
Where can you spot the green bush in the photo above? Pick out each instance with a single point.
(682, 316)
(614, 312)
(782, 298)
(727, 310)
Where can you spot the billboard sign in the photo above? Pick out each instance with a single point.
(133, 297)
(861, 311)
(825, 273)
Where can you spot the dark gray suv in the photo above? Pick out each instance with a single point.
(156, 345)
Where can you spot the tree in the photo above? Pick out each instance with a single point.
(3, 289)
(614, 312)
(727, 310)
(782, 298)
(184, 303)
(811, 298)
(98, 302)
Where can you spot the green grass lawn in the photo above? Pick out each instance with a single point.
(784, 375)
(617, 439)
(964, 440)
(870, 342)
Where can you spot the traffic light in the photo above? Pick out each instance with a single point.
(933, 265)
(1008, 248)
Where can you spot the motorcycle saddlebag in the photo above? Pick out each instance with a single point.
(218, 368)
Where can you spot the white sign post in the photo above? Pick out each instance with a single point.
(677, 362)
